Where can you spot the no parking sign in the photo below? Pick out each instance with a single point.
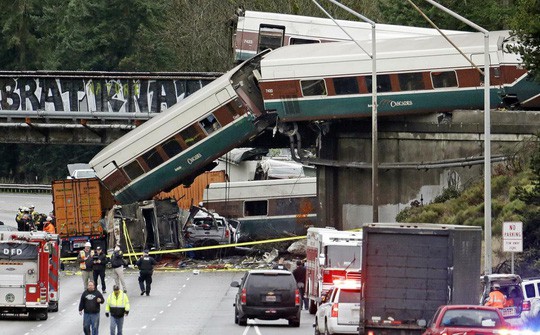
(512, 236)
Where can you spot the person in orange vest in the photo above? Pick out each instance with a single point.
(48, 226)
(496, 297)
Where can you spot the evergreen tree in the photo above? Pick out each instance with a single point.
(525, 24)
(19, 40)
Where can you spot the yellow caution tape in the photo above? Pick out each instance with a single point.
(219, 246)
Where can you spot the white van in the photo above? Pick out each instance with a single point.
(531, 295)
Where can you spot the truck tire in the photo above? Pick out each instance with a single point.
(294, 323)
(43, 315)
(53, 306)
(242, 321)
(38, 315)
(64, 250)
(312, 307)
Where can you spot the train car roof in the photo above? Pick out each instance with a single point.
(357, 29)
(392, 55)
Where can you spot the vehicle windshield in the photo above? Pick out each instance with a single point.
(343, 256)
(79, 174)
(209, 221)
(471, 318)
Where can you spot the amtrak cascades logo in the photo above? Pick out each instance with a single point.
(10, 297)
(394, 103)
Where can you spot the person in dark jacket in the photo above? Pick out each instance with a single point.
(118, 263)
(100, 260)
(146, 269)
(118, 306)
(300, 276)
(90, 301)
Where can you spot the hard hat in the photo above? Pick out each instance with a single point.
(32, 206)
(496, 286)
(87, 244)
(48, 218)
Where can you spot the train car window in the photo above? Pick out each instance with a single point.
(152, 158)
(348, 85)
(383, 83)
(271, 37)
(444, 79)
(296, 40)
(411, 81)
(258, 207)
(133, 170)
(313, 87)
(210, 123)
(226, 114)
(171, 147)
(191, 135)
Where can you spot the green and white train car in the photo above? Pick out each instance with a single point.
(183, 141)
(414, 75)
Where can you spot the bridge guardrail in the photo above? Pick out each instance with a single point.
(25, 188)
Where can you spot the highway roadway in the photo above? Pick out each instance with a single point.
(179, 303)
(10, 203)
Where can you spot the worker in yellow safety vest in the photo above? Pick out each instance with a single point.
(117, 306)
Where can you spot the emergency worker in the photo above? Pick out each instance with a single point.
(496, 297)
(146, 269)
(300, 276)
(19, 219)
(33, 213)
(118, 263)
(85, 258)
(89, 304)
(48, 226)
(100, 260)
(117, 306)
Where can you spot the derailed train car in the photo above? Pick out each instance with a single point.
(182, 142)
(151, 224)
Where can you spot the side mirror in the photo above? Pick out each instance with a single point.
(235, 284)
(322, 259)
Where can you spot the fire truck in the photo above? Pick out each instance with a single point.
(331, 255)
(29, 269)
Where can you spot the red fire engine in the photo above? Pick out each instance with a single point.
(331, 255)
(29, 268)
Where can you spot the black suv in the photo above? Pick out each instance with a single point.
(267, 295)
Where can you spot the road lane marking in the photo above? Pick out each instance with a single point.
(246, 330)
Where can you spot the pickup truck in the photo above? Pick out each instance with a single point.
(206, 228)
